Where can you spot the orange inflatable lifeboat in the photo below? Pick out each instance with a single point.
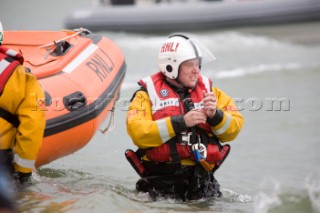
(81, 74)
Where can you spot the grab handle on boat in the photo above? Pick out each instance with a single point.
(75, 101)
(110, 125)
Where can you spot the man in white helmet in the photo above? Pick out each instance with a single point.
(22, 121)
(179, 121)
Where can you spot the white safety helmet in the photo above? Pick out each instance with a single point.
(1, 33)
(177, 49)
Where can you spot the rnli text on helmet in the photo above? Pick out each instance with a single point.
(170, 47)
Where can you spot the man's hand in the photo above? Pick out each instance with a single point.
(209, 103)
(195, 117)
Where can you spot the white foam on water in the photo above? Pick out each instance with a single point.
(243, 71)
(274, 196)
(313, 188)
(232, 196)
(268, 197)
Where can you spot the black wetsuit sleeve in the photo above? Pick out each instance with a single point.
(178, 124)
(216, 119)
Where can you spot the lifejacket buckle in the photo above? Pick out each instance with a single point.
(186, 138)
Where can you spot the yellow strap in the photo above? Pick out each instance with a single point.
(207, 166)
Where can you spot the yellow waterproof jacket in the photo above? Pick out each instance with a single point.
(23, 96)
(145, 132)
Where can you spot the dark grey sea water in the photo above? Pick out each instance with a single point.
(274, 163)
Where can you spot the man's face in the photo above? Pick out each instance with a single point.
(189, 72)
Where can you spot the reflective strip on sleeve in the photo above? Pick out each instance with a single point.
(225, 126)
(163, 130)
(11, 53)
(3, 65)
(23, 162)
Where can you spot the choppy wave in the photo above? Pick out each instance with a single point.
(238, 54)
(274, 197)
(75, 191)
(243, 71)
(313, 189)
(232, 196)
(59, 190)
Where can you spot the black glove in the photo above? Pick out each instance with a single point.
(21, 178)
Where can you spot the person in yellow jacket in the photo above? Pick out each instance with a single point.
(179, 123)
(22, 119)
